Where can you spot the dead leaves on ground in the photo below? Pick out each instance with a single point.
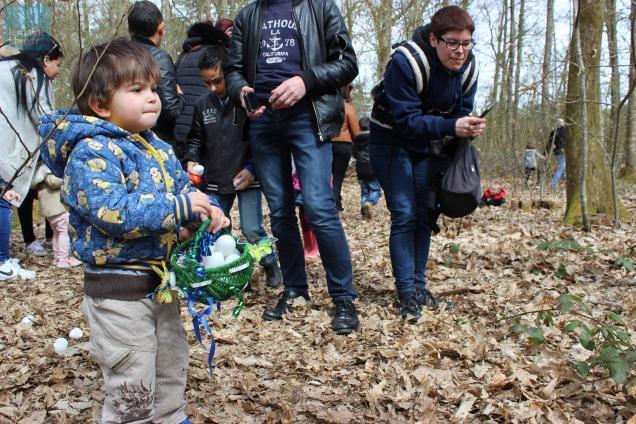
(460, 365)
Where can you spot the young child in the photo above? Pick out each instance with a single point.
(370, 190)
(48, 187)
(128, 198)
(215, 142)
(530, 161)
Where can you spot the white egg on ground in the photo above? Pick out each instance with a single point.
(28, 320)
(60, 346)
(231, 258)
(76, 333)
(172, 280)
(225, 244)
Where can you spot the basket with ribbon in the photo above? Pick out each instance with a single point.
(208, 269)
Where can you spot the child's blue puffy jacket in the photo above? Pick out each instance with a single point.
(126, 194)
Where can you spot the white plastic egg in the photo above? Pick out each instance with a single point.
(225, 244)
(230, 258)
(198, 169)
(216, 259)
(60, 345)
(28, 320)
(76, 333)
(172, 280)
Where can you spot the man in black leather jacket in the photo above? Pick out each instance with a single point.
(145, 25)
(294, 55)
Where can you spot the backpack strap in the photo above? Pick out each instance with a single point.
(419, 63)
(469, 77)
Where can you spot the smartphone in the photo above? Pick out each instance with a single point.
(251, 102)
(488, 109)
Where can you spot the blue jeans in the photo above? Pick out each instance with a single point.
(560, 169)
(275, 138)
(5, 229)
(250, 215)
(406, 178)
(370, 191)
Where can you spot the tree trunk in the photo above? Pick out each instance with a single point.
(629, 168)
(546, 111)
(515, 106)
(598, 175)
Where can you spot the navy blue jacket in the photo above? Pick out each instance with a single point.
(421, 119)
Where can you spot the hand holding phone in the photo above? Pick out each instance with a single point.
(251, 102)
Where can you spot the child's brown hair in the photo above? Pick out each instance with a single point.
(102, 69)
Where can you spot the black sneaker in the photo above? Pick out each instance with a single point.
(345, 318)
(409, 306)
(425, 298)
(284, 304)
(273, 276)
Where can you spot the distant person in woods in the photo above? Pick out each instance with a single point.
(146, 27)
(406, 119)
(200, 35)
(341, 145)
(292, 57)
(556, 144)
(370, 190)
(531, 159)
(25, 94)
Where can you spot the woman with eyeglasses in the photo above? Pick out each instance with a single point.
(427, 95)
(25, 95)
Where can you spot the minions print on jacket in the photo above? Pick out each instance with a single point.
(126, 194)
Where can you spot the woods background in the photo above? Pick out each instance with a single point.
(529, 69)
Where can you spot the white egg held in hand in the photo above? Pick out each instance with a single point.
(231, 258)
(76, 333)
(60, 345)
(225, 244)
(198, 169)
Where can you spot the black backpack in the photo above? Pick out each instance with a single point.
(459, 186)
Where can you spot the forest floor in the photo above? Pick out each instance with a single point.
(458, 365)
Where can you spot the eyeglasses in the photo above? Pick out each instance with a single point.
(454, 44)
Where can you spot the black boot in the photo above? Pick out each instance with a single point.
(409, 306)
(273, 276)
(284, 304)
(345, 318)
(425, 298)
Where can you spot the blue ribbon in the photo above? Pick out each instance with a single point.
(200, 319)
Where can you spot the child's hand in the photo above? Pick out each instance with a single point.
(190, 165)
(185, 233)
(219, 220)
(242, 180)
(200, 204)
(11, 195)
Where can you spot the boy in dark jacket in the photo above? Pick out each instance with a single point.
(215, 141)
(370, 190)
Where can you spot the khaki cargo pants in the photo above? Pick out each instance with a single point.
(142, 350)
